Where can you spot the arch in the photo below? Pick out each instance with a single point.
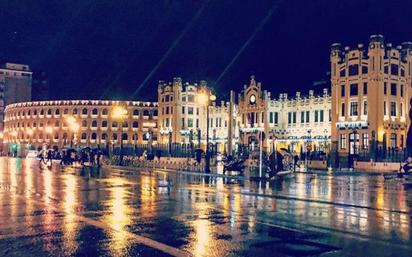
(84, 111)
(114, 124)
(135, 112)
(135, 124)
(135, 137)
(49, 112)
(94, 124)
(104, 111)
(41, 112)
(84, 136)
(124, 136)
(57, 112)
(74, 112)
(66, 111)
(84, 123)
(104, 124)
(114, 136)
(94, 136)
(104, 136)
(95, 111)
(125, 124)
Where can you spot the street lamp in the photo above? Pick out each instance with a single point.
(205, 98)
(73, 126)
(49, 131)
(119, 113)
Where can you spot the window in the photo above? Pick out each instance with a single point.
(342, 90)
(183, 98)
(84, 124)
(294, 117)
(94, 111)
(302, 117)
(393, 140)
(104, 112)
(104, 124)
(353, 90)
(135, 124)
(190, 98)
(41, 112)
(342, 73)
(316, 116)
(183, 122)
(276, 117)
(190, 123)
(124, 136)
(94, 136)
(167, 110)
(384, 108)
(401, 110)
(57, 112)
(114, 124)
(190, 110)
(342, 110)
(114, 136)
(385, 69)
(353, 69)
(401, 90)
(307, 116)
(49, 112)
(65, 111)
(385, 88)
(393, 109)
(342, 141)
(365, 88)
(125, 124)
(393, 89)
(321, 115)
(146, 112)
(365, 107)
(84, 136)
(289, 117)
(365, 140)
(197, 123)
(94, 124)
(394, 69)
(135, 112)
(84, 111)
(183, 110)
(364, 69)
(197, 111)
(271, 117)
(354, 109)
(330, 114)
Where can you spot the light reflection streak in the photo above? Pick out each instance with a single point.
(118, 217)
(202, 231)
(70, 204)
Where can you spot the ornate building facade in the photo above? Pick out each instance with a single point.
(370, 92)
(79, 123)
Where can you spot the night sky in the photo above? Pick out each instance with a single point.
(110, 49)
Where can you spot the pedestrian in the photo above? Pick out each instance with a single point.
(49, 160)
(406, 167)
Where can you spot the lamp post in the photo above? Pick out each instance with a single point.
(119, 113)
(73, 127)
(205, 98)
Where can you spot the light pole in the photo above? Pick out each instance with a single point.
(205, 98)
(73, 127)
(119, 113)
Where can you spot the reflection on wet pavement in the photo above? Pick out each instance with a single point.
(105, 212)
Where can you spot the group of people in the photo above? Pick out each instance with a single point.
(70, 157)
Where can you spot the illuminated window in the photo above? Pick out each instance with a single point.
(342, 141)
(354, 109)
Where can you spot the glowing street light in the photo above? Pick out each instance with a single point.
(119, 113)
(205, 98)
(73, 126)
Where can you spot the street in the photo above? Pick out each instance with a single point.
(90, 212)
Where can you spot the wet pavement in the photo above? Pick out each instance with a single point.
(73, 212)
